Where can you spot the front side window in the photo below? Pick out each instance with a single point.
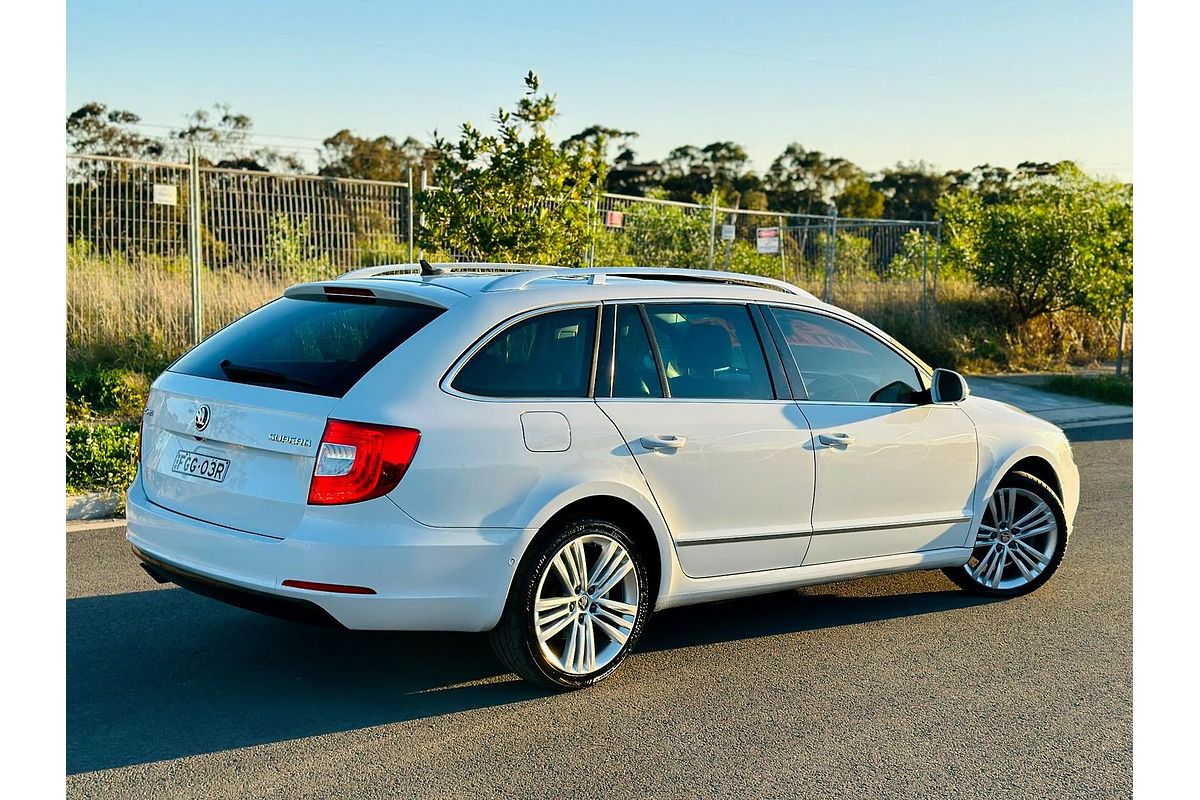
(840, 363)
(710, 351)
(549, 355)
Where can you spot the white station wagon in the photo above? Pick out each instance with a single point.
(552, 454)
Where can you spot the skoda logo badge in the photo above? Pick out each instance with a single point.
(202, 415)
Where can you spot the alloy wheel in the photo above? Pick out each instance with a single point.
(1017, 540)
(586, 604)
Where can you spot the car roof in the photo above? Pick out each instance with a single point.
(536, 283)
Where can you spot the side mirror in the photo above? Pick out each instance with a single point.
(948, 387)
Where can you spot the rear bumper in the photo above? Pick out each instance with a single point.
(450, 579)
(261, 602)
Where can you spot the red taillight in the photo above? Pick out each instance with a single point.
(357, 461)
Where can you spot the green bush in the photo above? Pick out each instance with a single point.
(101, 457)
(381, 248)
(1103, 388)
(109, 392)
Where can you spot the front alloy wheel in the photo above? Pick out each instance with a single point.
(1022, 538)
(576, 608)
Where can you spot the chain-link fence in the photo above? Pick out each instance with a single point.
(161, 254)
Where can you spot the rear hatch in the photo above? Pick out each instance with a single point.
(232, 429)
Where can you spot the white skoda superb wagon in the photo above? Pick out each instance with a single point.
(552, 454)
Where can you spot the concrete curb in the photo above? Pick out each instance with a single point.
(97, 505)
(83, 526)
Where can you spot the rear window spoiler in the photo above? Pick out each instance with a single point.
(405, 291)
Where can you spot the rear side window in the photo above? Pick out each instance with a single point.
(549, 355)
(316, 345)
(710, 351)
(840, 363)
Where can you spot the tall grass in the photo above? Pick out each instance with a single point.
(137, 314)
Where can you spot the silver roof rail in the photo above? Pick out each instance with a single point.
(382, 270)
(598, 274)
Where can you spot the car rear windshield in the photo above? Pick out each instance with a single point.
(318, 345)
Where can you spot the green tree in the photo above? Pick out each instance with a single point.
(808, 181)
(859, 199)
(380, 159)
(1064, 240)
(223, 138)
(95, 129)
(691, 173)
(513, 195)
(911, 191)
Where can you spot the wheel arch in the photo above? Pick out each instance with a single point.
(618, 504)
(1040, 468)
(1034, 459)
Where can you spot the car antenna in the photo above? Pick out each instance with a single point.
(428, 269)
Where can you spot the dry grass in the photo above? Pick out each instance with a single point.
(138, 315)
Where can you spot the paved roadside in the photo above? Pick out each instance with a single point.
(1063, 410)
(897, 686)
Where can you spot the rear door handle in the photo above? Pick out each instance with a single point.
(663, 443)
(836, 439)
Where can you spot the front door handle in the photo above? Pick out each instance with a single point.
(836, 439)
(663, 443)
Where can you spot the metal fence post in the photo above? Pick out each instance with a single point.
(712, 229)
(830, 255)
(593, 211)
(924, 269)
(411, 199)
(782, 250)
(194, 252)
(421, 215)
(937, 262)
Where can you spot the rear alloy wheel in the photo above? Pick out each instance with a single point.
(1022, 539)
(576, 608)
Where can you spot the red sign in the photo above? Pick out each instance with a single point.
(614, 219)
(767, 240)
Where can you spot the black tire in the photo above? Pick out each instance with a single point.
(1028, 483)
(515, 639)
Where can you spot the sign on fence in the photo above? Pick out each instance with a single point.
(165, 194)
(728, 233)
(767, 240)
(614, 219)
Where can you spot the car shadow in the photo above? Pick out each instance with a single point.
(164, 674)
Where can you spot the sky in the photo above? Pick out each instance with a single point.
(954, 84)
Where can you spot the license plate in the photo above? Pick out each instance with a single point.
(210, 468)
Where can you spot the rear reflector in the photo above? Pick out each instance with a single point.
(336, 588)
(357, 461)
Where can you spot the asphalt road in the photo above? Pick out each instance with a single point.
(888, 686)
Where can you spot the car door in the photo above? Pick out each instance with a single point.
(895, 473)
(727, 456)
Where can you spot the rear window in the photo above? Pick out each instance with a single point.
(316, 345)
